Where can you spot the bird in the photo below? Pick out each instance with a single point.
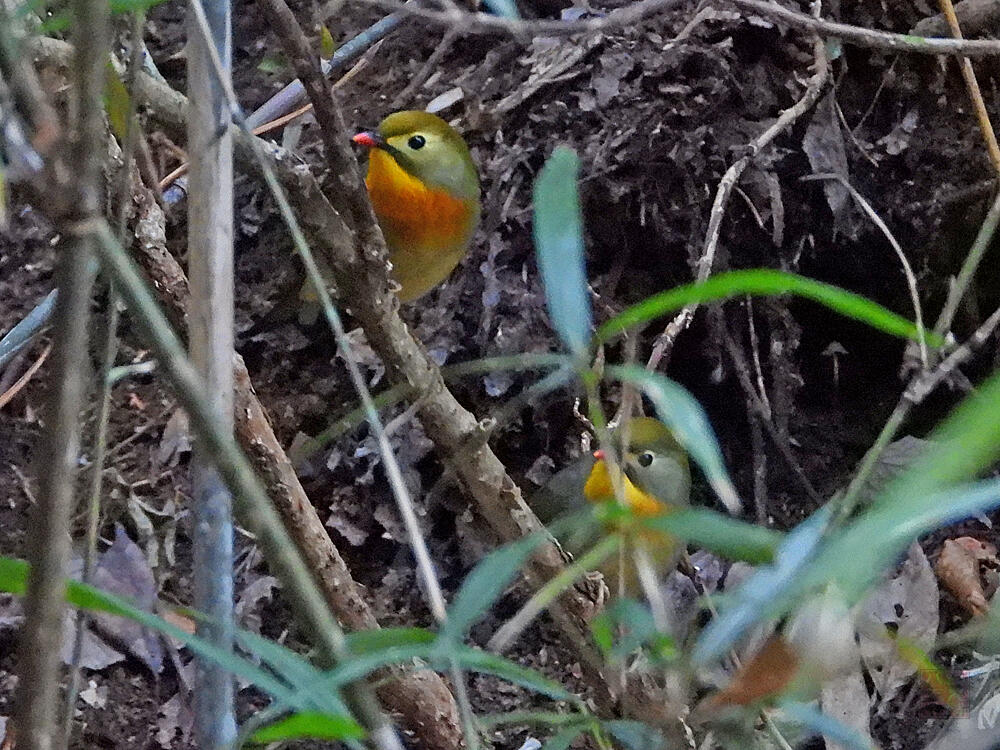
(656, 479)
(424, 189)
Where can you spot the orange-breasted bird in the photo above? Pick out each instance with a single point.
(424, 188)
(656, 479)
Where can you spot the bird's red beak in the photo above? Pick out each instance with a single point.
(368, 140)
(599, 455)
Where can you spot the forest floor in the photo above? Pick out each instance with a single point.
(656, 124)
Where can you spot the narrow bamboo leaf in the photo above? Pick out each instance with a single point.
(725, 536)
(682, 413)
(965, 445)
(821, 723)
(362, 665)
(132, 6)
(558, 232)
(858, 555)
(307, 681)
(484, 584)
(933, 674)
(474, 660)
(763, 282)
(310, 726)
(373, 641)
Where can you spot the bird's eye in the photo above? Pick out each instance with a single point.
(645, 459)
(416, 142)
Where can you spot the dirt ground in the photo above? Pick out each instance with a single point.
(656, 124)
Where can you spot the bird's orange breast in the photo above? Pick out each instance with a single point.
(416, 218)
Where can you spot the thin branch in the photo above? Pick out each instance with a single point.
(420, 696)
(38, 726)
(871, 38)
(18, 385)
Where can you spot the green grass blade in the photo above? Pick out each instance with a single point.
(309, 725)
(763, 282)
(725, 536)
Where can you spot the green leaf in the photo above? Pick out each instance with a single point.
(310, 726)
(306, 680)
(360, 666)
(682, 413)
(558, 229)
(725, 536)
(475, 660)
(272, 64)
(504, 8)
(763, 282)
(372, 641)
(133, 6)
(326, 44)
(485, 583)
(857, 556)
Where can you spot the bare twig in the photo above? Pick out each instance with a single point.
(983, 238)
(18, 385)
(921, 387)
(972, 84)
(665, 341)
(38, 727)
(404, 97)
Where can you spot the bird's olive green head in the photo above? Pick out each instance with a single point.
(655, 461)
(431, 150)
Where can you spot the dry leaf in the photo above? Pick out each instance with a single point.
(959, 567)
(768, 673)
